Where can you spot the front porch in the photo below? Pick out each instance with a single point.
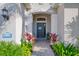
(41, 24)
(43, 21)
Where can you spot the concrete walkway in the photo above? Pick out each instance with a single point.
(42, 48)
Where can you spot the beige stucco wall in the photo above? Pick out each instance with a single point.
(9, 25)
(14, 25)
(71, 22)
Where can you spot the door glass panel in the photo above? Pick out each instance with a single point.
(41, 30)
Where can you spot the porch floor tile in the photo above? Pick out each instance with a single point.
(42, 48)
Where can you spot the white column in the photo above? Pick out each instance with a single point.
(53, 23)
(29, 23)
(19, 24)
(61, 22)
(18, 29)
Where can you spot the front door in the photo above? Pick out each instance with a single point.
(41, 30)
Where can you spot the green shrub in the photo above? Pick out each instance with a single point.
(27, 47)
(12, 49)
(62, 50)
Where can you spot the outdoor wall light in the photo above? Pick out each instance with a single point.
(5, 14)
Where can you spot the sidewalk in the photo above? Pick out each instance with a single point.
(42, 48)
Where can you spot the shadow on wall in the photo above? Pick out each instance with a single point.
(12, 12)
(73, 27)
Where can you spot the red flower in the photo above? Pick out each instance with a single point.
(53, 37)
(28, 36)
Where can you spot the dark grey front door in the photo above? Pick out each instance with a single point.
(41, 30)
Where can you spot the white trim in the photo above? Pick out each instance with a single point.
(42, 17)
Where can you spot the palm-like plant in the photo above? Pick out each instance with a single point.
(62, 50)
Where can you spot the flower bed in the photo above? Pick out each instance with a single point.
(61, 49)
(12, 49)
(29, 38)
(26, 47)
(53, 37)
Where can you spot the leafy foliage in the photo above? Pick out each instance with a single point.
(28, 37)
(62, 50)
(54, 37)
(12, 49)
(48, 36)
(27, 47)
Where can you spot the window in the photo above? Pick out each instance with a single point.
(40, 19)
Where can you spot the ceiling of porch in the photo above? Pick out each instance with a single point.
(41, 7)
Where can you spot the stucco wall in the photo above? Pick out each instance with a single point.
(71, 22)
(14, 24)
(9, 25)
